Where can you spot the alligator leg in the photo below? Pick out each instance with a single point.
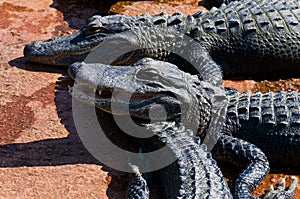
(280, 192)
(240, 152)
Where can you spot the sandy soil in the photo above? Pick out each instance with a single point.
(41, 154)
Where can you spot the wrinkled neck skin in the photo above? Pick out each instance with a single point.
(190, 106)
(198, 115)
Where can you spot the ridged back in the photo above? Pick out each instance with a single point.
(247, 17)
(257, 34)
(269, 120)
(260, 36)
(279, 108)
(239, 17)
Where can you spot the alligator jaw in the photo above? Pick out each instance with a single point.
(54, 52)
(66, 50)
(103, 98)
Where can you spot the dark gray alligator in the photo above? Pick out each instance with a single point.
(194, 165)
(243, 39)
(255, 125)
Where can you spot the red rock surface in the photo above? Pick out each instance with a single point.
(41, 155)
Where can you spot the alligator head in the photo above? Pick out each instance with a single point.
(144, 87)
(66, 50)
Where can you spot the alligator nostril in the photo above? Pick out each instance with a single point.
(73, 69)
(30, 49)
(49, 40)
(34, 44)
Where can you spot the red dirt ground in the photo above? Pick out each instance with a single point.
(41, 154)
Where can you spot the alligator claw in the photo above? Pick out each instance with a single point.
(138, 188)
(281, 192)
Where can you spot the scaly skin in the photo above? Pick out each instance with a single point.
(249, 119)
(243, 39)
(199, 175)
(269, 120)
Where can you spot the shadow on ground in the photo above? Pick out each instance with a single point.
(23, 64)
(63, 151)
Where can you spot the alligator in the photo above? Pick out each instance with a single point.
(194, 164)
(261, 36)
(259, 128)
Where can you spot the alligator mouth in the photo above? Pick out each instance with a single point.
(122, 96)
(63, 50)
(103, 98)
(103, 93)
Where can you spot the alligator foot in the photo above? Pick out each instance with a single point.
(281, 192)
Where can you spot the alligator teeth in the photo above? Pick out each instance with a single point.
(99, 92)
(70, 89)
(93, 89)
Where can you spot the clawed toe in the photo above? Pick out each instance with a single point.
(281, 192)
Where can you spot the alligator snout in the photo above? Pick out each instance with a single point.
(36, 51)
(73, 69)
(31, 50)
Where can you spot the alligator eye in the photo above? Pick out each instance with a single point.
(92, 29)
(148, 74)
